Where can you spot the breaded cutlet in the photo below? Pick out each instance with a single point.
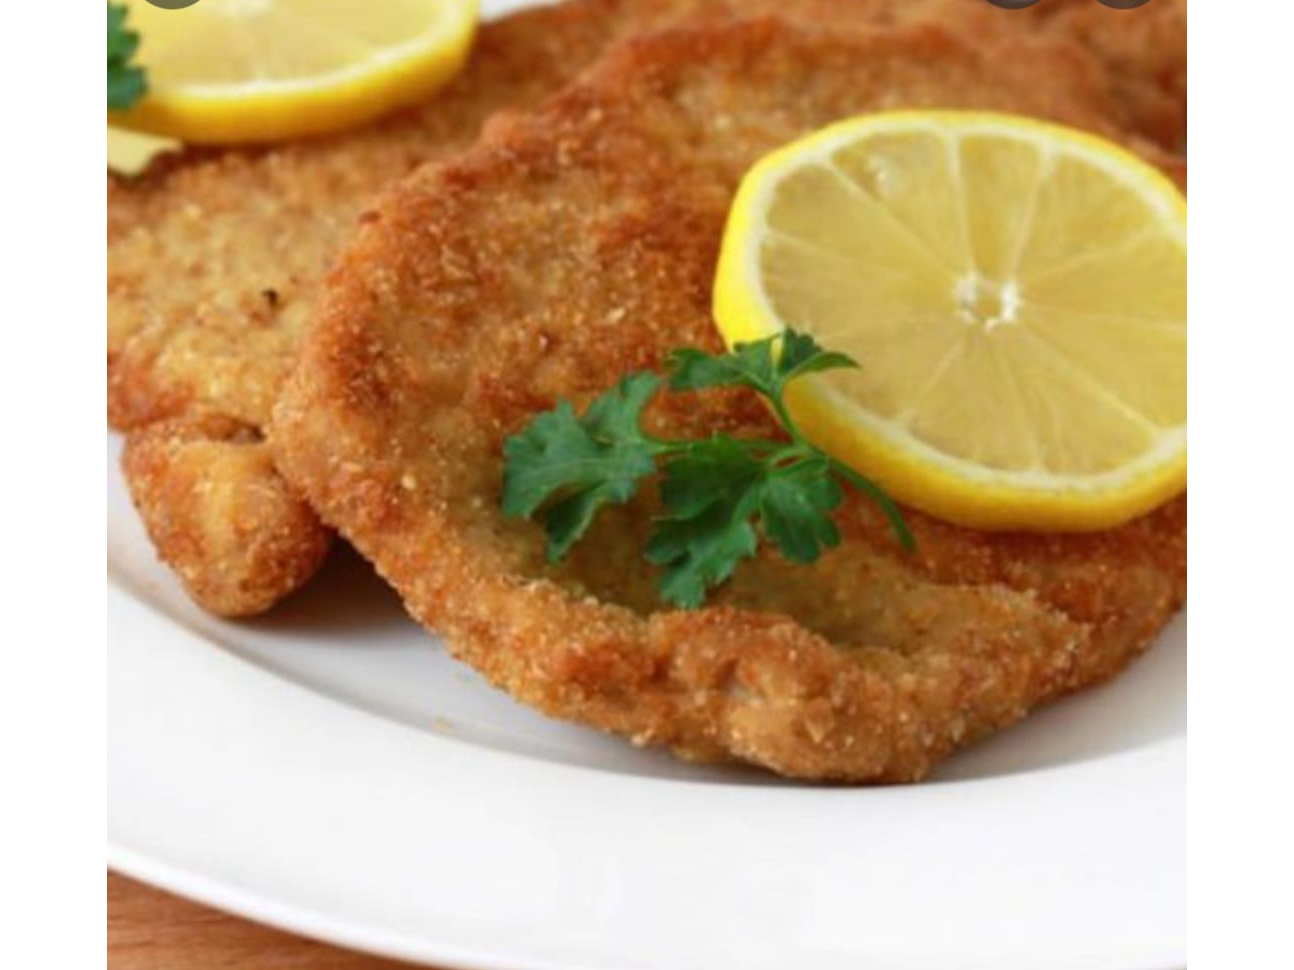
(577, 243)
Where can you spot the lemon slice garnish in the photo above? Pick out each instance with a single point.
(1015, 293)
(259, 70)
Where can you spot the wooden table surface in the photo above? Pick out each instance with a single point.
(152, 930)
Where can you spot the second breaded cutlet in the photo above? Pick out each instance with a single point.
(215, 258)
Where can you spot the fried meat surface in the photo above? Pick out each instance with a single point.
(577, 243)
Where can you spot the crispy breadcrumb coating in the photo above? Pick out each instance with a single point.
(577, 243)
(238, 537)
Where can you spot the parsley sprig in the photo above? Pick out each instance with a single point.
(719, 494)
(126, 83)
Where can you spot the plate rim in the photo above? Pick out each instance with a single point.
(150, 653)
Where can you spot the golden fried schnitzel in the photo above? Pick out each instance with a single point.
(215, 259)
(578, 243)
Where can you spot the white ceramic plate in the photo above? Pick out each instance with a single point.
(329, 769)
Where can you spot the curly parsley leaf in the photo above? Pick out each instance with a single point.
(795, 509)
(710, 492)
(714, 496)
(572, 466)
(762, 365)
(719, 495)
(699, 553)
(767, 366)
(126, 82)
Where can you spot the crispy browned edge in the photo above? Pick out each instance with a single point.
(1045, 614)
(1144, 49)
(207, 480)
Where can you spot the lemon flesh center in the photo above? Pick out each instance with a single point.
(985, 303)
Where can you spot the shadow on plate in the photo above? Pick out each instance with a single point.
(346, 596)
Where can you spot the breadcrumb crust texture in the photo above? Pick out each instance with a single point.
(578, 242)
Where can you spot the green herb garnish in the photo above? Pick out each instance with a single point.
(719, 494)
(126, 84)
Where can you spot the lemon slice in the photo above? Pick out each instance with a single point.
(129, 152)
(259, 70)
(1015, 295)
